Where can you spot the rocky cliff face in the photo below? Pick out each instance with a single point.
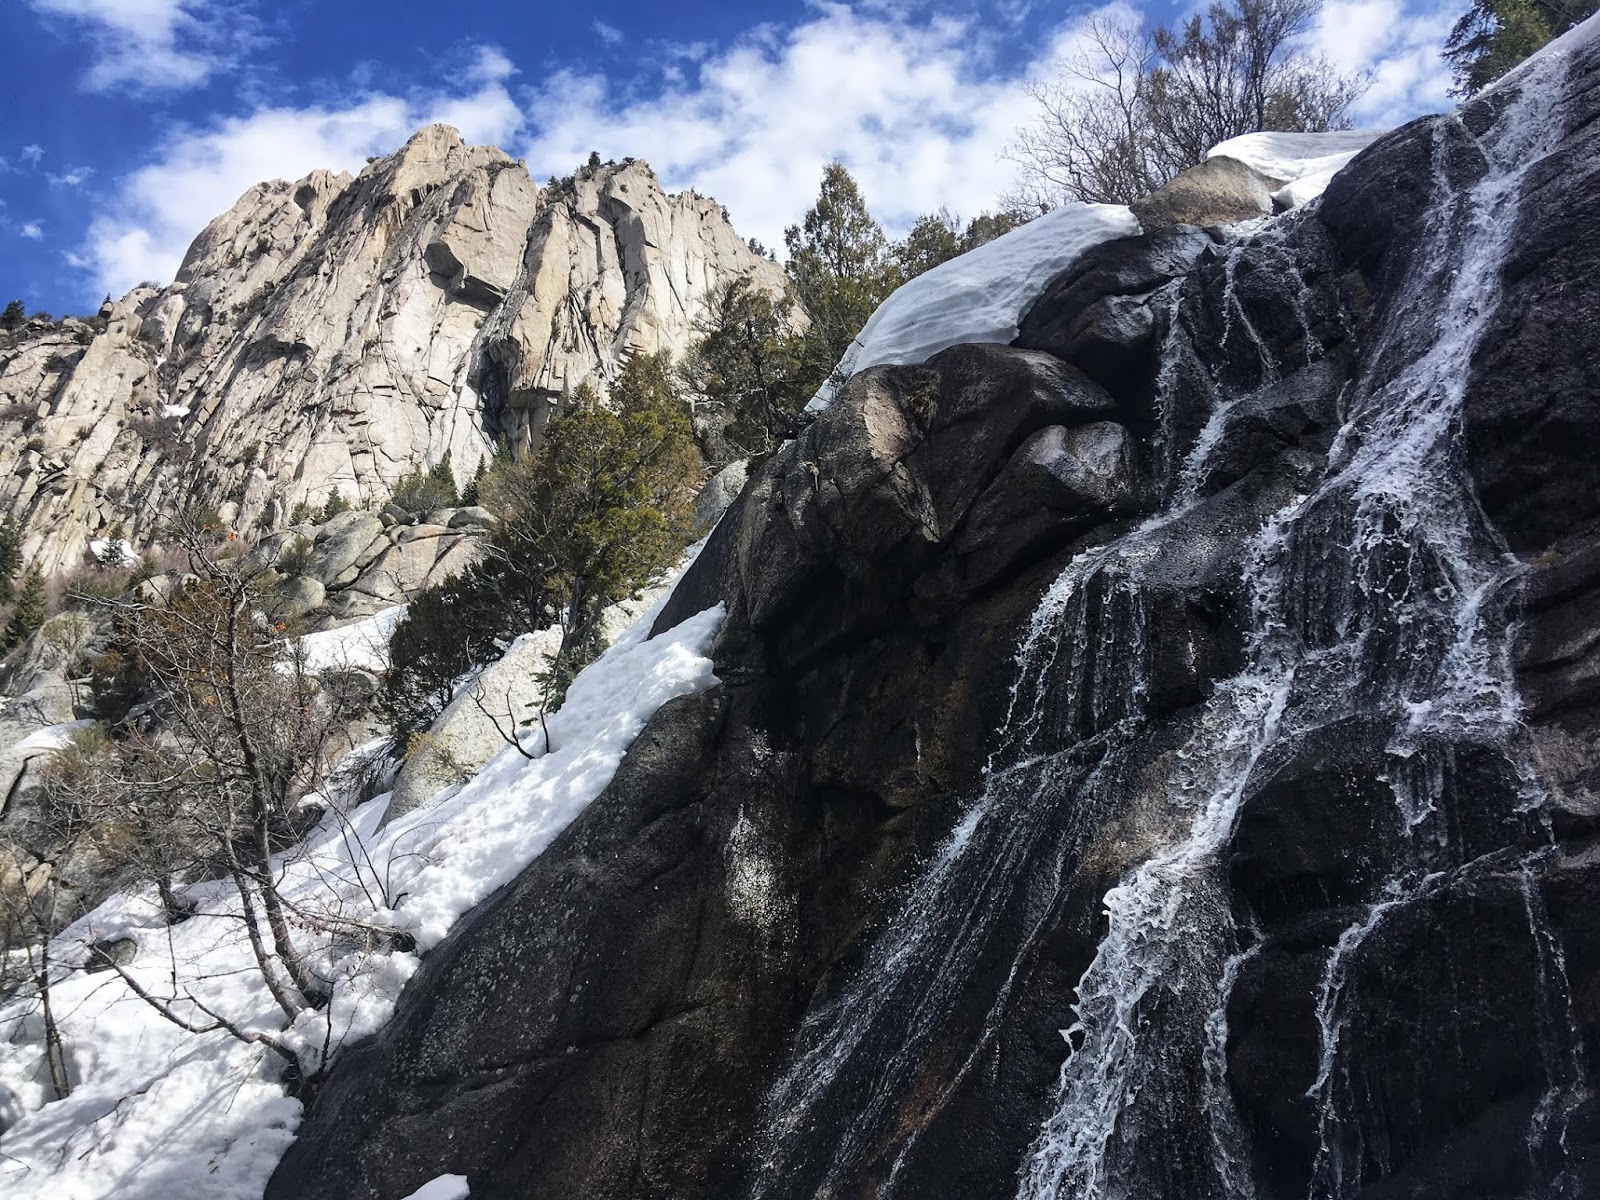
(1210, 675)
(337, 333)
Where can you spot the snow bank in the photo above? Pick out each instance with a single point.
(1304, 162)
(156, 1112)
(363, 645)
(51, 737)
(979, 296)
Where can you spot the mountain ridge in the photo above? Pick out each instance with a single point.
(337, 332)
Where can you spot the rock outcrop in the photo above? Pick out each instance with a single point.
(1158, 693)
(357, 563)
(335, 334)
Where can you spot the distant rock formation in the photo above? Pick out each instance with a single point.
(338, 333)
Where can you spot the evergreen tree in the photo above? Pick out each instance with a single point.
(841, 269)
(29, 611)
(335, 505)
(743, 364)
(444, 481)
(10, 557)
(422, 492)
(13, 316)
(469, 494)
(934, 239)
(594, 514)
(937, 237)
(1493, 36)
(985, 227)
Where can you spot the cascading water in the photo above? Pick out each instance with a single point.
(1381, 594)
(1382, 590)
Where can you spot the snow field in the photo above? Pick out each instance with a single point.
(156, 1112)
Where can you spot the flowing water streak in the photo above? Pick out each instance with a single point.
(867, 1042)
(1407, 499)
(1560, 1044)
(1083, 662)
(1472, 692)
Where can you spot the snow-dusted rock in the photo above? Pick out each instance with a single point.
(1302, 162)
(981, 295)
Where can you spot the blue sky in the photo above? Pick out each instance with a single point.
(134, 122)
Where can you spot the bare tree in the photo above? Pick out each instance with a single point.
(1133, 105)
(207, 782)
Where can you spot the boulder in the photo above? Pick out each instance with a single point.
(718, 493)
(474, 726)
(299, 595)
(341, 545)
(1218, 191)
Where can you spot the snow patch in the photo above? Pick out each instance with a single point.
(446, 1187)
(981, 295)
(174, 410)
(362, 645)
(104, 549)
(1304, 163)
(51, 737)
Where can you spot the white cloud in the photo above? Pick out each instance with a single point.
(72, 177)
(1399, 45)
(32, 154)
(919, 110)
(151, 215)
(609, 34)
(33, 231)
(149, 44)
(913, 110)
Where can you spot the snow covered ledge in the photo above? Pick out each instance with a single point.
(1303, 163)
(980, 295)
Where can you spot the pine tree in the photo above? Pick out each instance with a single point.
(840, 265)
(934, 239)
(600, 508)
(29, 612)
(743, 366)
(469, 494)
(335, 505)
(1493, 36)
(10, 557)
(443, 478)
(13, 316)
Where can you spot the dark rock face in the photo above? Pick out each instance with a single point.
(1167, 677)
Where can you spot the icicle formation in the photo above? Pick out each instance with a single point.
(1379, 593)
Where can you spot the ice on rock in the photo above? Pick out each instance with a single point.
(981, 295)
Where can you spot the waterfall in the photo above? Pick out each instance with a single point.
(1380, 593)
(1382, 590)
